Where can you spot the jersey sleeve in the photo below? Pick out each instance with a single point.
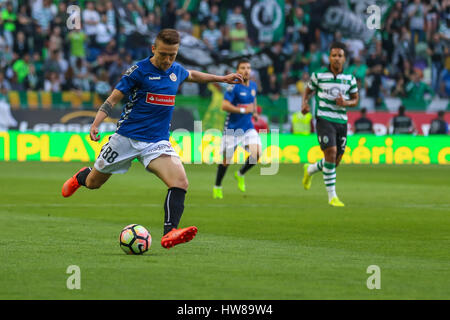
(128, 81)
(353, 85)
(183, 74)
(230, 93)
(313, 83)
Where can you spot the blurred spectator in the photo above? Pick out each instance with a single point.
(401, 123)
(375, 63)
(52, 82)
(21, 44)
(212, 36)
(9, 18)
(445, 83)
(444, 29)
(24, 21)
(313, 58)
(204, 13)
(297, 28)
(105, 32)
(417, 89)
(274, 87)
(169, 16)
(32, 79)
(238, 37)
(43, 13)
(302, 83)
(436, 51)
(363, 125)
(6, 118)
(80, 75)
(416, 12)
(55, 42)
(358, 69)
(184, 24)
(235, 17)
(91, 18)
(301, 123)
(295, 63)
(439, 125)
(77, 39)
(21, 68)
(102, 86)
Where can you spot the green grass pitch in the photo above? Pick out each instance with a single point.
(276, 241)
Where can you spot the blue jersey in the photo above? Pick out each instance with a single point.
(240, 94)
(151, 99)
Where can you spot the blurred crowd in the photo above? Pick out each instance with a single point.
(408, 58)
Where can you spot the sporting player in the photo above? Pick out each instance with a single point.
(334, 91)
(143, 130)
(240, 103)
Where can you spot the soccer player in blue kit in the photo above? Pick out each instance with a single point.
(240, 103)
(143, 130)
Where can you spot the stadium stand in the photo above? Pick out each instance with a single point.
(48, 61)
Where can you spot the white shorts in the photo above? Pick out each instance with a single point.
(231, 141)
(118, 153)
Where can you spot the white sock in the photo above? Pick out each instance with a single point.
(316, 167)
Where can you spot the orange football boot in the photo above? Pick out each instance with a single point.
(71, 185)
(177, 236)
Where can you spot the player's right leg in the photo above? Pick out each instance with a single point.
(90, 178)
(227, 148)
(115, 157)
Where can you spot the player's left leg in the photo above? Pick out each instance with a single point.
(171, 171)
(254, 154)
(252, 143)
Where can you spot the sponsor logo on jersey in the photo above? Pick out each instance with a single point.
(160, 99)
(154, 78)
(173, 77)
(334, 91)
(243, 94)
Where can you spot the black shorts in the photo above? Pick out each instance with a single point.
(331, 134)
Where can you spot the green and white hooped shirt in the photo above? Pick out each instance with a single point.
(328, 87)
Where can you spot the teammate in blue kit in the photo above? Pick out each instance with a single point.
(240, 103)
(143, 130)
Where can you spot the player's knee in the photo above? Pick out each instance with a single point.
(182, 183)
(92, 184)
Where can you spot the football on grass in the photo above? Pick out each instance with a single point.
(135, 239)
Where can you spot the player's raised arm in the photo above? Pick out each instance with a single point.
(103, 112)
(202, 77)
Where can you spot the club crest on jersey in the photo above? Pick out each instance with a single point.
(130, 70)
(173, 77)
(253, 92)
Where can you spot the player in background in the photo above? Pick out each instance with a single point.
(143, 130)
(334, 91)
(240, 103)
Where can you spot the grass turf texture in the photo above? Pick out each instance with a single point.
(276, 241)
